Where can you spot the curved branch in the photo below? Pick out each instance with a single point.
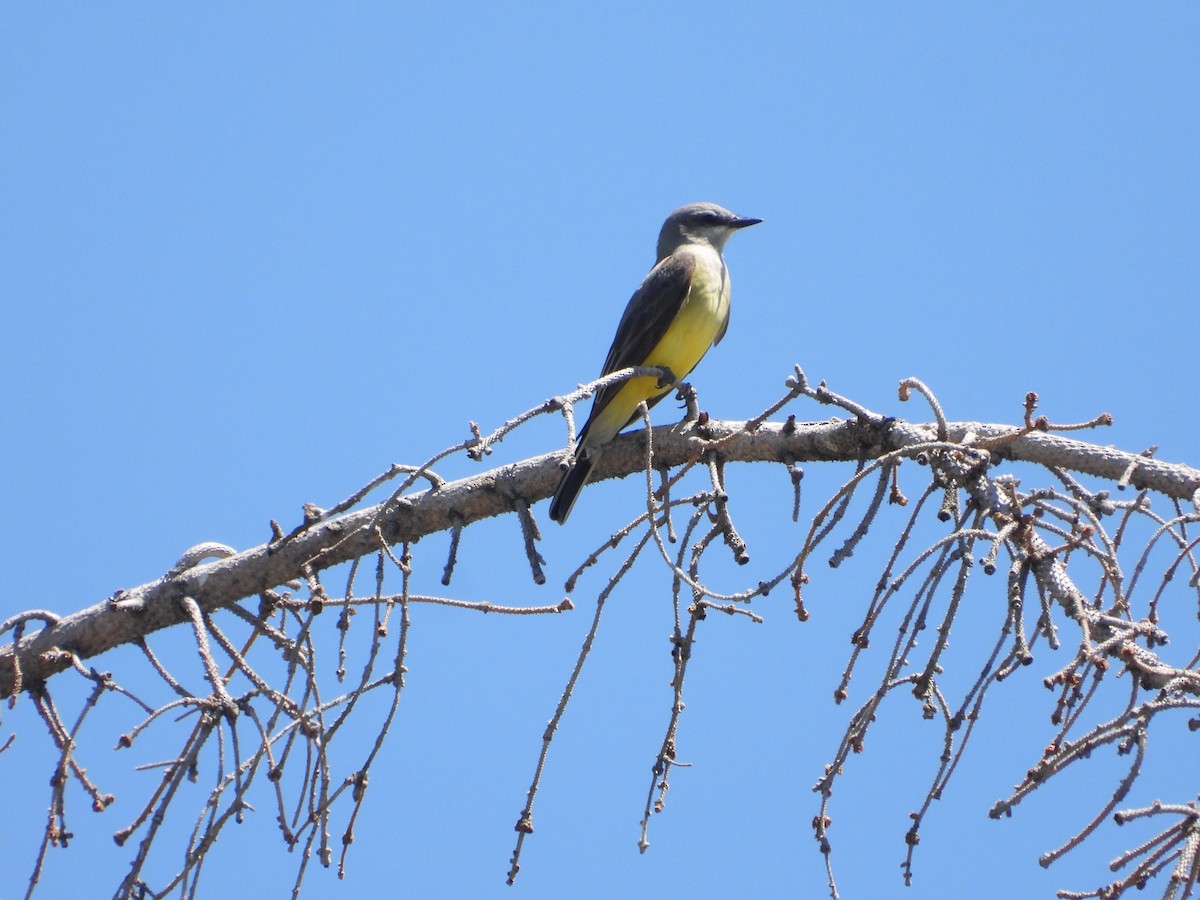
(130, 615)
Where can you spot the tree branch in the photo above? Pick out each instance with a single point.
(130, 615)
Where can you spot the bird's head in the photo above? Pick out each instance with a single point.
(699, 223)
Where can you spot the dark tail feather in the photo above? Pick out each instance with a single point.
(568, 489)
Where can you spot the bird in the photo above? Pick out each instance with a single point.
(680, 309)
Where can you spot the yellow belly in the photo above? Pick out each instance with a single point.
(696, 326)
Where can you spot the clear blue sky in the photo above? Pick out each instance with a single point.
(251, 255)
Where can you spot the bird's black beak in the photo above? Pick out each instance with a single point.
(739, 222)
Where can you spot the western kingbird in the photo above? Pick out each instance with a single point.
(678, 312)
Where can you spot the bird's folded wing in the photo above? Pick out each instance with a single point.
(651, 310)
